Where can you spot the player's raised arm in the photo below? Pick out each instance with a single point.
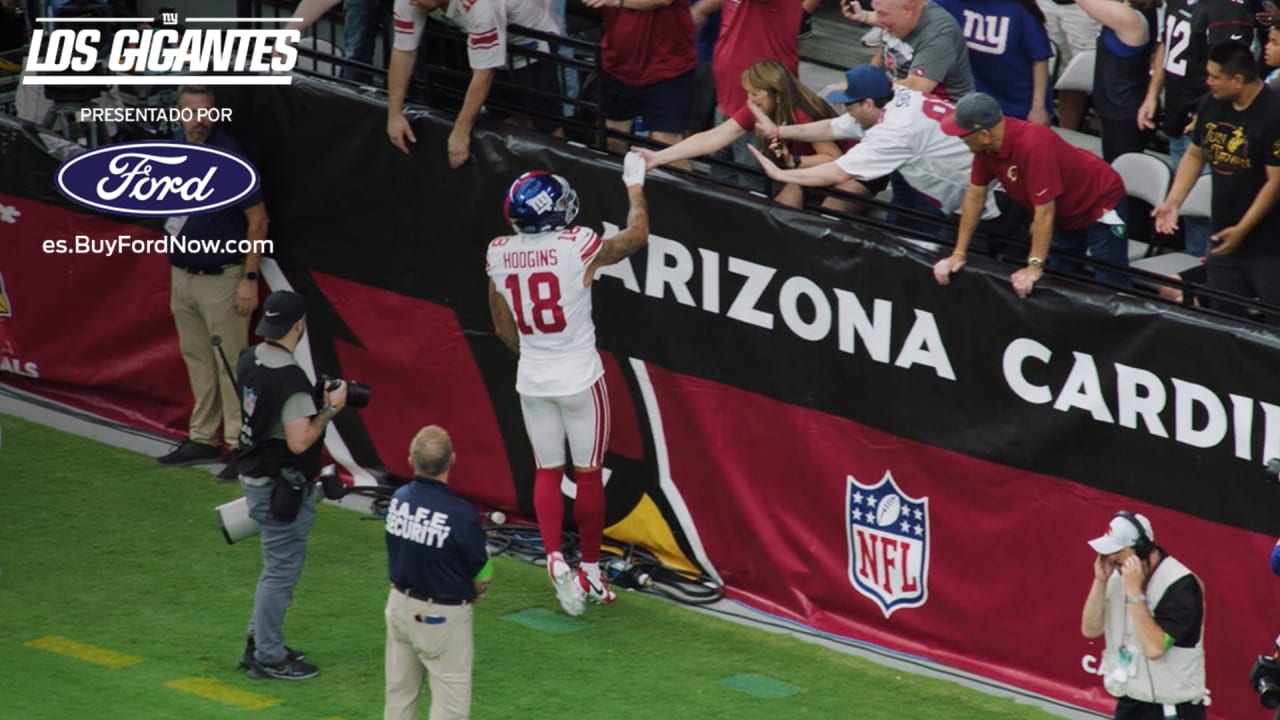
(636, 233)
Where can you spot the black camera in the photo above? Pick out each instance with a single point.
(1264, 678)
(332, 484)
(358, 394)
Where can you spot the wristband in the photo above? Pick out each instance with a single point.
(1135, 599)
(1035, 262)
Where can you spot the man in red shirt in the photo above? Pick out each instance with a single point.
(1076, 199)
(648, 59)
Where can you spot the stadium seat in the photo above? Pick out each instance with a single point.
(1092, 143)
(1078, 74)
(1167, 264)
(1197, 204)
(1146, 178)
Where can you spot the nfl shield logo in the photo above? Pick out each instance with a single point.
(888, 544)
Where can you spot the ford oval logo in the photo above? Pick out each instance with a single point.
(157, 178)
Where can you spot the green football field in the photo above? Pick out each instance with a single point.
(120, 599)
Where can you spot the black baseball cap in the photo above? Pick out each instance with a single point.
(974, 112)
(282, 309)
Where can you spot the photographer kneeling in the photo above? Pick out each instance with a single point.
(279, 457)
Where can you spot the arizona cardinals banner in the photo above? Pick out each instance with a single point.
(798, 408)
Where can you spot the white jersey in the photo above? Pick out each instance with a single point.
(485, 23)
(541, 278)
(909, 139)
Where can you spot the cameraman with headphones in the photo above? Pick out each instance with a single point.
(1150, 608)
(279, 457)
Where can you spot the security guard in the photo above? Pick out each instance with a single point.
(439, 566)
(278, 458)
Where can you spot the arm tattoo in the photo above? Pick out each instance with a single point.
(630, 239)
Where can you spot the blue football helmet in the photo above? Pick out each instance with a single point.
(540, 202)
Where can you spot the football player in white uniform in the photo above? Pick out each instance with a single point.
(540, 299)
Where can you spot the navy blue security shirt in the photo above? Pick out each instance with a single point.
(228, 223)
(435, 544)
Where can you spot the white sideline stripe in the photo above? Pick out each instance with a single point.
(333, 441)
(668, 485)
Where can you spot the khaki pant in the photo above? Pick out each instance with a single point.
(425, 638)
(204, 306)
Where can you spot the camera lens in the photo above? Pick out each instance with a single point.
(358, 394)
(1269, 693)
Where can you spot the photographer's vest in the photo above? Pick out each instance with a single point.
(268, 376)
(1178, 675)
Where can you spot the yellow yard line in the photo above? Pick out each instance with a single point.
(83, 651)
(223, 693)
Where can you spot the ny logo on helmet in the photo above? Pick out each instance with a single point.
(541, 202)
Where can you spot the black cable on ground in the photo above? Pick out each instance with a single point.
(633, 567)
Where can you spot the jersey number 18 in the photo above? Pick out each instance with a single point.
(544, 294)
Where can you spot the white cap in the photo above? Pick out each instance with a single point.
(1121, 534)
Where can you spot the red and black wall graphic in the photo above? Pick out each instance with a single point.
(797, 407)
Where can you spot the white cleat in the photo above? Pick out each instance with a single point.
(565, 580)
(595, 589)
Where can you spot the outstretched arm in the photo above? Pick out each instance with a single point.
(696, 145)
(825, 174)
(634, 236)
(629, 240)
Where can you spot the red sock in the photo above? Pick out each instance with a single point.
(588, 510)
(548, 504)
